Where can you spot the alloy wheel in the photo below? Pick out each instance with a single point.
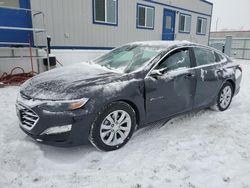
(115, 127)
(225, 97)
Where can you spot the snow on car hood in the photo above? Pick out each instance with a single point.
(72, 82)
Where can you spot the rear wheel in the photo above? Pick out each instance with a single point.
(224, 98)
(113, 127)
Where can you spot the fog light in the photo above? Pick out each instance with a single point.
(57, 130)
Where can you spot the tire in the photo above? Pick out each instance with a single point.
(113, 128)
(224, 98)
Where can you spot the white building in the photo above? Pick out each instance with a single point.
(104, 24)
(96, 25)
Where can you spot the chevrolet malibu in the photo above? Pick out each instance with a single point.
(105, 100)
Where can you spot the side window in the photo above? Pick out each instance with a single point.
(204, 56)
(178, 59)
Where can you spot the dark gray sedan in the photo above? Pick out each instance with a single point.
(104, 101)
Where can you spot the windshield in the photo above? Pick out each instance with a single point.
(128, 58)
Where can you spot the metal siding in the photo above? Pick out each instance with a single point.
(240, 46)
(73, 19)
(193, 5)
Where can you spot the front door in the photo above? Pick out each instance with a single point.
(168, 25)
(172, 92)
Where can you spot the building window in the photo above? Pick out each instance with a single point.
(10, 3)
(145, 17)
(105, 11)
(201, 26)
(184, 23)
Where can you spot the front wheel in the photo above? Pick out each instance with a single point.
(224, 98)
(113, 127)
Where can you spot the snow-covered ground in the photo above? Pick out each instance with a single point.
(203, 149)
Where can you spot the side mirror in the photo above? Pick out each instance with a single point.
(156, 73)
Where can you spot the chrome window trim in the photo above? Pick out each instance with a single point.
(191, 68)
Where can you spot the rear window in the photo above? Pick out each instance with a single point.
(204, 56)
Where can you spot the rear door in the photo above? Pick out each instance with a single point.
(208, 72)
(172, 92)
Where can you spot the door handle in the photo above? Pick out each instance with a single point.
(189, 76)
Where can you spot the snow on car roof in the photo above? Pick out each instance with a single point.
(165, 44)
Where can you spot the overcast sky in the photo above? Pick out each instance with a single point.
(231, 14)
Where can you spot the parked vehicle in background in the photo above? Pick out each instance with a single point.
(105, 100)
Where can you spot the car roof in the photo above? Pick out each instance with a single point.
(165, 44)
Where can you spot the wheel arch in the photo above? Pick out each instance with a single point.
(232, 83)
(135, 108)
(94, 134)
(230, 80)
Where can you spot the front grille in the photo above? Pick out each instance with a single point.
(27, 117)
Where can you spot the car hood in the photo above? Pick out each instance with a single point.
(72, 82)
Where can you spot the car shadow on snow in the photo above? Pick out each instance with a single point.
(74, 154)
(67, 154)
(170, 123)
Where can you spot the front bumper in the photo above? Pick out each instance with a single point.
(81, 121)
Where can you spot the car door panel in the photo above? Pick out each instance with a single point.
(208, 78)
(169, 94)
(207, 85)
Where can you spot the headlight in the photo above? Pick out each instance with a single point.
(60, 106)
